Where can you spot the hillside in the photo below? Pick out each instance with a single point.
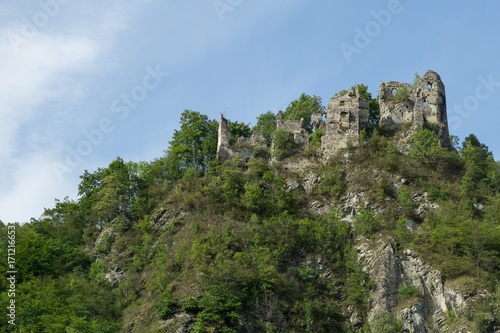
(369, 222)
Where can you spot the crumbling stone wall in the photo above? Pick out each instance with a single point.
(425, 105)
(295, 127)
(347, 114)
(245, 148)
(224, 150)
(318, 119)
(392, 112)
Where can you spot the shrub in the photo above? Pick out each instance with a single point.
(407, 291)
(366, 222)
(357, 282)
(167, 304)
(406, 202)
(331, 181)
(315, 140)
(284, 144)
(385, 323)
(401, 95)
(219, 311)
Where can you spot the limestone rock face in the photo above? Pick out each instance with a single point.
(180, 323)
(385, 269)
(424, 313)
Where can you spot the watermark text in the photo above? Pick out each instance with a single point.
(121, 106)
(11, 274)
(223, 6)
(373, 28)
(470, 104)
(31, 25)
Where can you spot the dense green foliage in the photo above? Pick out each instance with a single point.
(266, 124)
(54, 291)
(193, 145)
(231, 244)
(303, 108)
(238, 130)
(374, 112)
(284, 144)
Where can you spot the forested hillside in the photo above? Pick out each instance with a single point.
(185, 243)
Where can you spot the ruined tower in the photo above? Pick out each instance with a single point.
(244, 148)
(421, 105)
(347, 114)
(224, 150)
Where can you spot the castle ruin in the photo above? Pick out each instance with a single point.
(423, 104)
(420, 105)
(347, 114)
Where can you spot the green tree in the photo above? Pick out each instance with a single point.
(406, 203)
(88, 190)
(116, 193)
(303, 108)
(481, 170)
(193, 146)
(374, 112)
(494, 177)
(66, 220)
(416, 78)
(121, 189)
(45, 251)
(70, 303)
(366, 222)
(219, 311)
(425, 148)
(476, 157)
(284, 144)
(237, 130)
(266, 124)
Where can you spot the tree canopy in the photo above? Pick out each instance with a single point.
(193, 145)
(303, 108)
(266, 124)
(374, 112)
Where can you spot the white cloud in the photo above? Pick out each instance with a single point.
(30, 78)
(35, 188)
(46, 71)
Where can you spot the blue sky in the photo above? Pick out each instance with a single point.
(83, 82)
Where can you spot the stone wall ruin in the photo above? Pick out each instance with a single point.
(347, 114)
(425, 105)
(420, 105)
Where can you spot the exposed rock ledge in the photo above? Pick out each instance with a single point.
(420, 314)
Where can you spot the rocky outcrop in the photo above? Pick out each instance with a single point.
(179, 323)
(431, 302)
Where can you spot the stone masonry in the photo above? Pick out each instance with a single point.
(423, 104)
(346, 116)
(245, 148)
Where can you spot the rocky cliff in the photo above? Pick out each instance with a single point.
(408, 287)
(353, 229)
